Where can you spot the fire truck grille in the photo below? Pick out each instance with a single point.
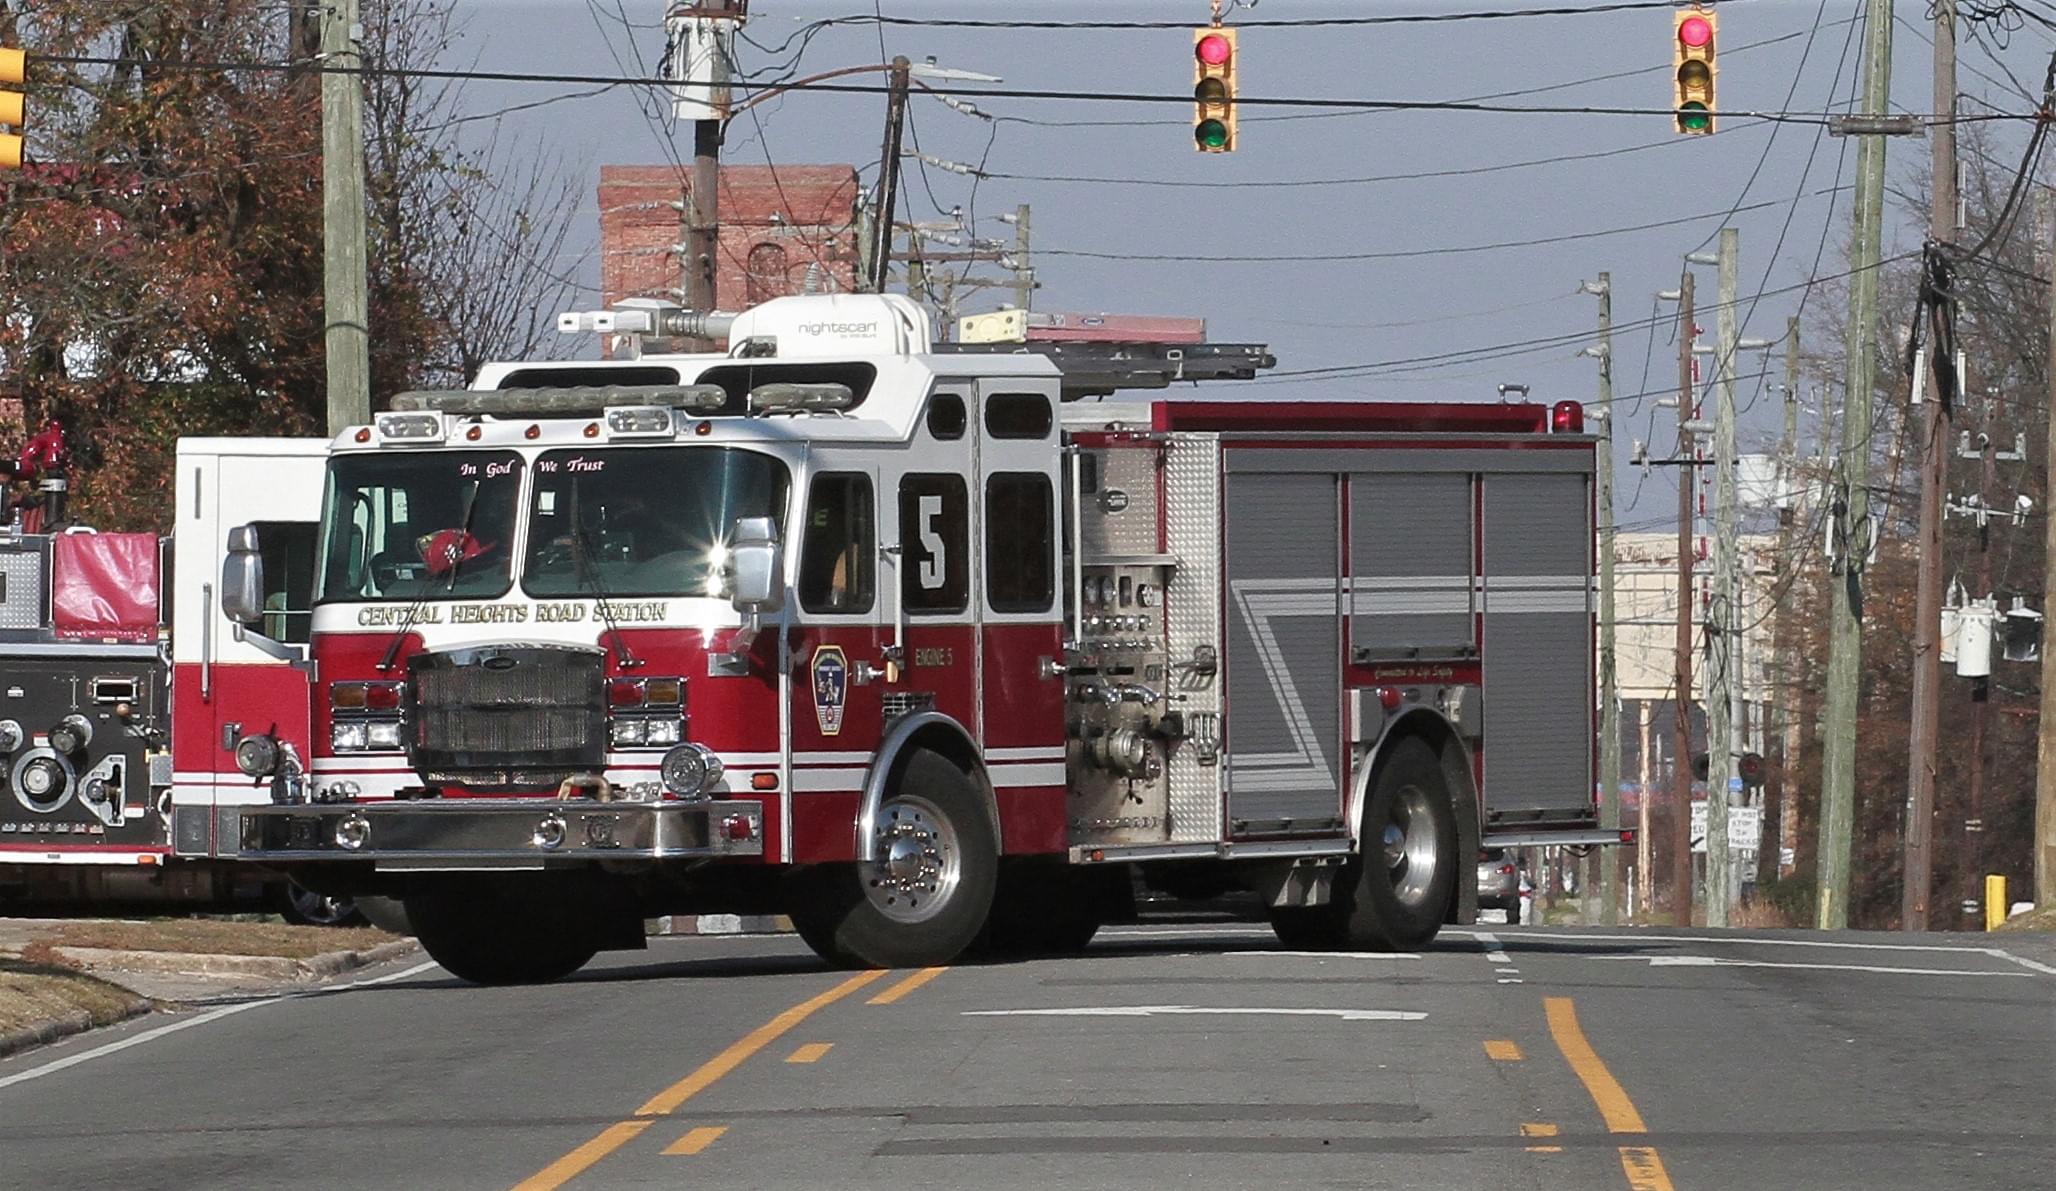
(507, 716)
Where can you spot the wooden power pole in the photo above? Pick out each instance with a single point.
(2045, 740)
(1851, 492)
(1606, 862)
(888, 175)
(346, 314)
(1681, 751)
(1924, 737)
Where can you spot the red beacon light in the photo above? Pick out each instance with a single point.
(1567, 417)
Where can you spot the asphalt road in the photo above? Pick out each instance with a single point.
(1505, 1057)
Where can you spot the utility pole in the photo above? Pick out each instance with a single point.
(1924, 738)
(346, 310)
(2045, 743)
(1778, 791)
(1851, 492)
(1681, 751)
(699, 63)
(888, 175)
(1722, 685)
(1604, 863)
(1971, 862)
(1645, 881)
(1024, 272)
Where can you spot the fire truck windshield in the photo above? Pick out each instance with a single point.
(643, 521)
(400, 526)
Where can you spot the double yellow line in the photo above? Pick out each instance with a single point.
(666, 1102)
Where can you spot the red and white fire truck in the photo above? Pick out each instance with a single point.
(88, 734)
(899, 639)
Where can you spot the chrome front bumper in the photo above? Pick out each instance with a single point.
(460, 834)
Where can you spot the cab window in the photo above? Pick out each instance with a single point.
(839, 553)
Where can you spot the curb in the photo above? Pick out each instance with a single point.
(718, 924)
(259, 967)
(43, 1033)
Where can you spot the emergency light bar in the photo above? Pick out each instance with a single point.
(582, 399)
(800, 398)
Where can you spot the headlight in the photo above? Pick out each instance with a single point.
(257, 756)
(627, 732)
(385, 735)
(350, 737)
(690, 770)
(657, 732)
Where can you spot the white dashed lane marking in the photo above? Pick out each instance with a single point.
(1497, 956)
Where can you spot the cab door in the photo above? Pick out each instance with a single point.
(1021, 631)
(837, 656)
(229, 681)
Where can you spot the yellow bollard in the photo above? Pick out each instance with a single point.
(1995, 902)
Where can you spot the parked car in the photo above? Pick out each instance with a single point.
(1499, 883)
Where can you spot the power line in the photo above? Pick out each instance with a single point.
(857, 88)
(1404, 253)
(1278, 23)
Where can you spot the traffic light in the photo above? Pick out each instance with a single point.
(1694, 33)
(1213, 89)
(13, 74)
(1752, 769)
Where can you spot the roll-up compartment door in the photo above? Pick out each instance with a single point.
(1538, 644)
(1284, 671)
(1411, 563)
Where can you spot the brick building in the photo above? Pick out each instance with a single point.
(774, 226)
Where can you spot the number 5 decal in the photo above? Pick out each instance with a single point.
(932, 546)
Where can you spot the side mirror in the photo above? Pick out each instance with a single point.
(758, 565)
(242, 577)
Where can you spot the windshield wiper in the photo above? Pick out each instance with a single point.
(589, 564)
(421, 597)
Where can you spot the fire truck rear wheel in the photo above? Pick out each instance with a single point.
(926, 896)
(1407, 868)
(515, 932)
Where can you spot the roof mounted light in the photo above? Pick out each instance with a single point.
(639, 421)
(410, 429)
(801, 398)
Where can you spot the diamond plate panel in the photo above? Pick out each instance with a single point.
(1192, 494)
(1121, 516)
(21, 589)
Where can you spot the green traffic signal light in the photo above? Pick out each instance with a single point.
(1693, 117)
(1211, 134)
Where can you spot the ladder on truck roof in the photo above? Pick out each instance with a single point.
(1098, 369)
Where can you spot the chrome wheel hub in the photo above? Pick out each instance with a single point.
(1413, 853)
(918, 864)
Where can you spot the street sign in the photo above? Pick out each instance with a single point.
(1745, 828)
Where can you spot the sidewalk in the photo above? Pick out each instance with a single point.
(62, 976)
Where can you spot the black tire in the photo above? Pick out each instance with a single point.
(928, 896)
(504, 932)
(1043, 906)
(1406, 869)
(388, 914)
(1310, 928)
(302, 906)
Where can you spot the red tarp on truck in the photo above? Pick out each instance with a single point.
(103, 586)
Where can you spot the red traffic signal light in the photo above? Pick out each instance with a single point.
(1692, 66)
(1214, 54)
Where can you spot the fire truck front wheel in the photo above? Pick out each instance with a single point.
(511, 931)
(925, 896)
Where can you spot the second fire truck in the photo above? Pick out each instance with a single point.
(900, 640)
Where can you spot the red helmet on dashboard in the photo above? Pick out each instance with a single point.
(446, 548)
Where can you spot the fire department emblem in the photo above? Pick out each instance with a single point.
(831, 688)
